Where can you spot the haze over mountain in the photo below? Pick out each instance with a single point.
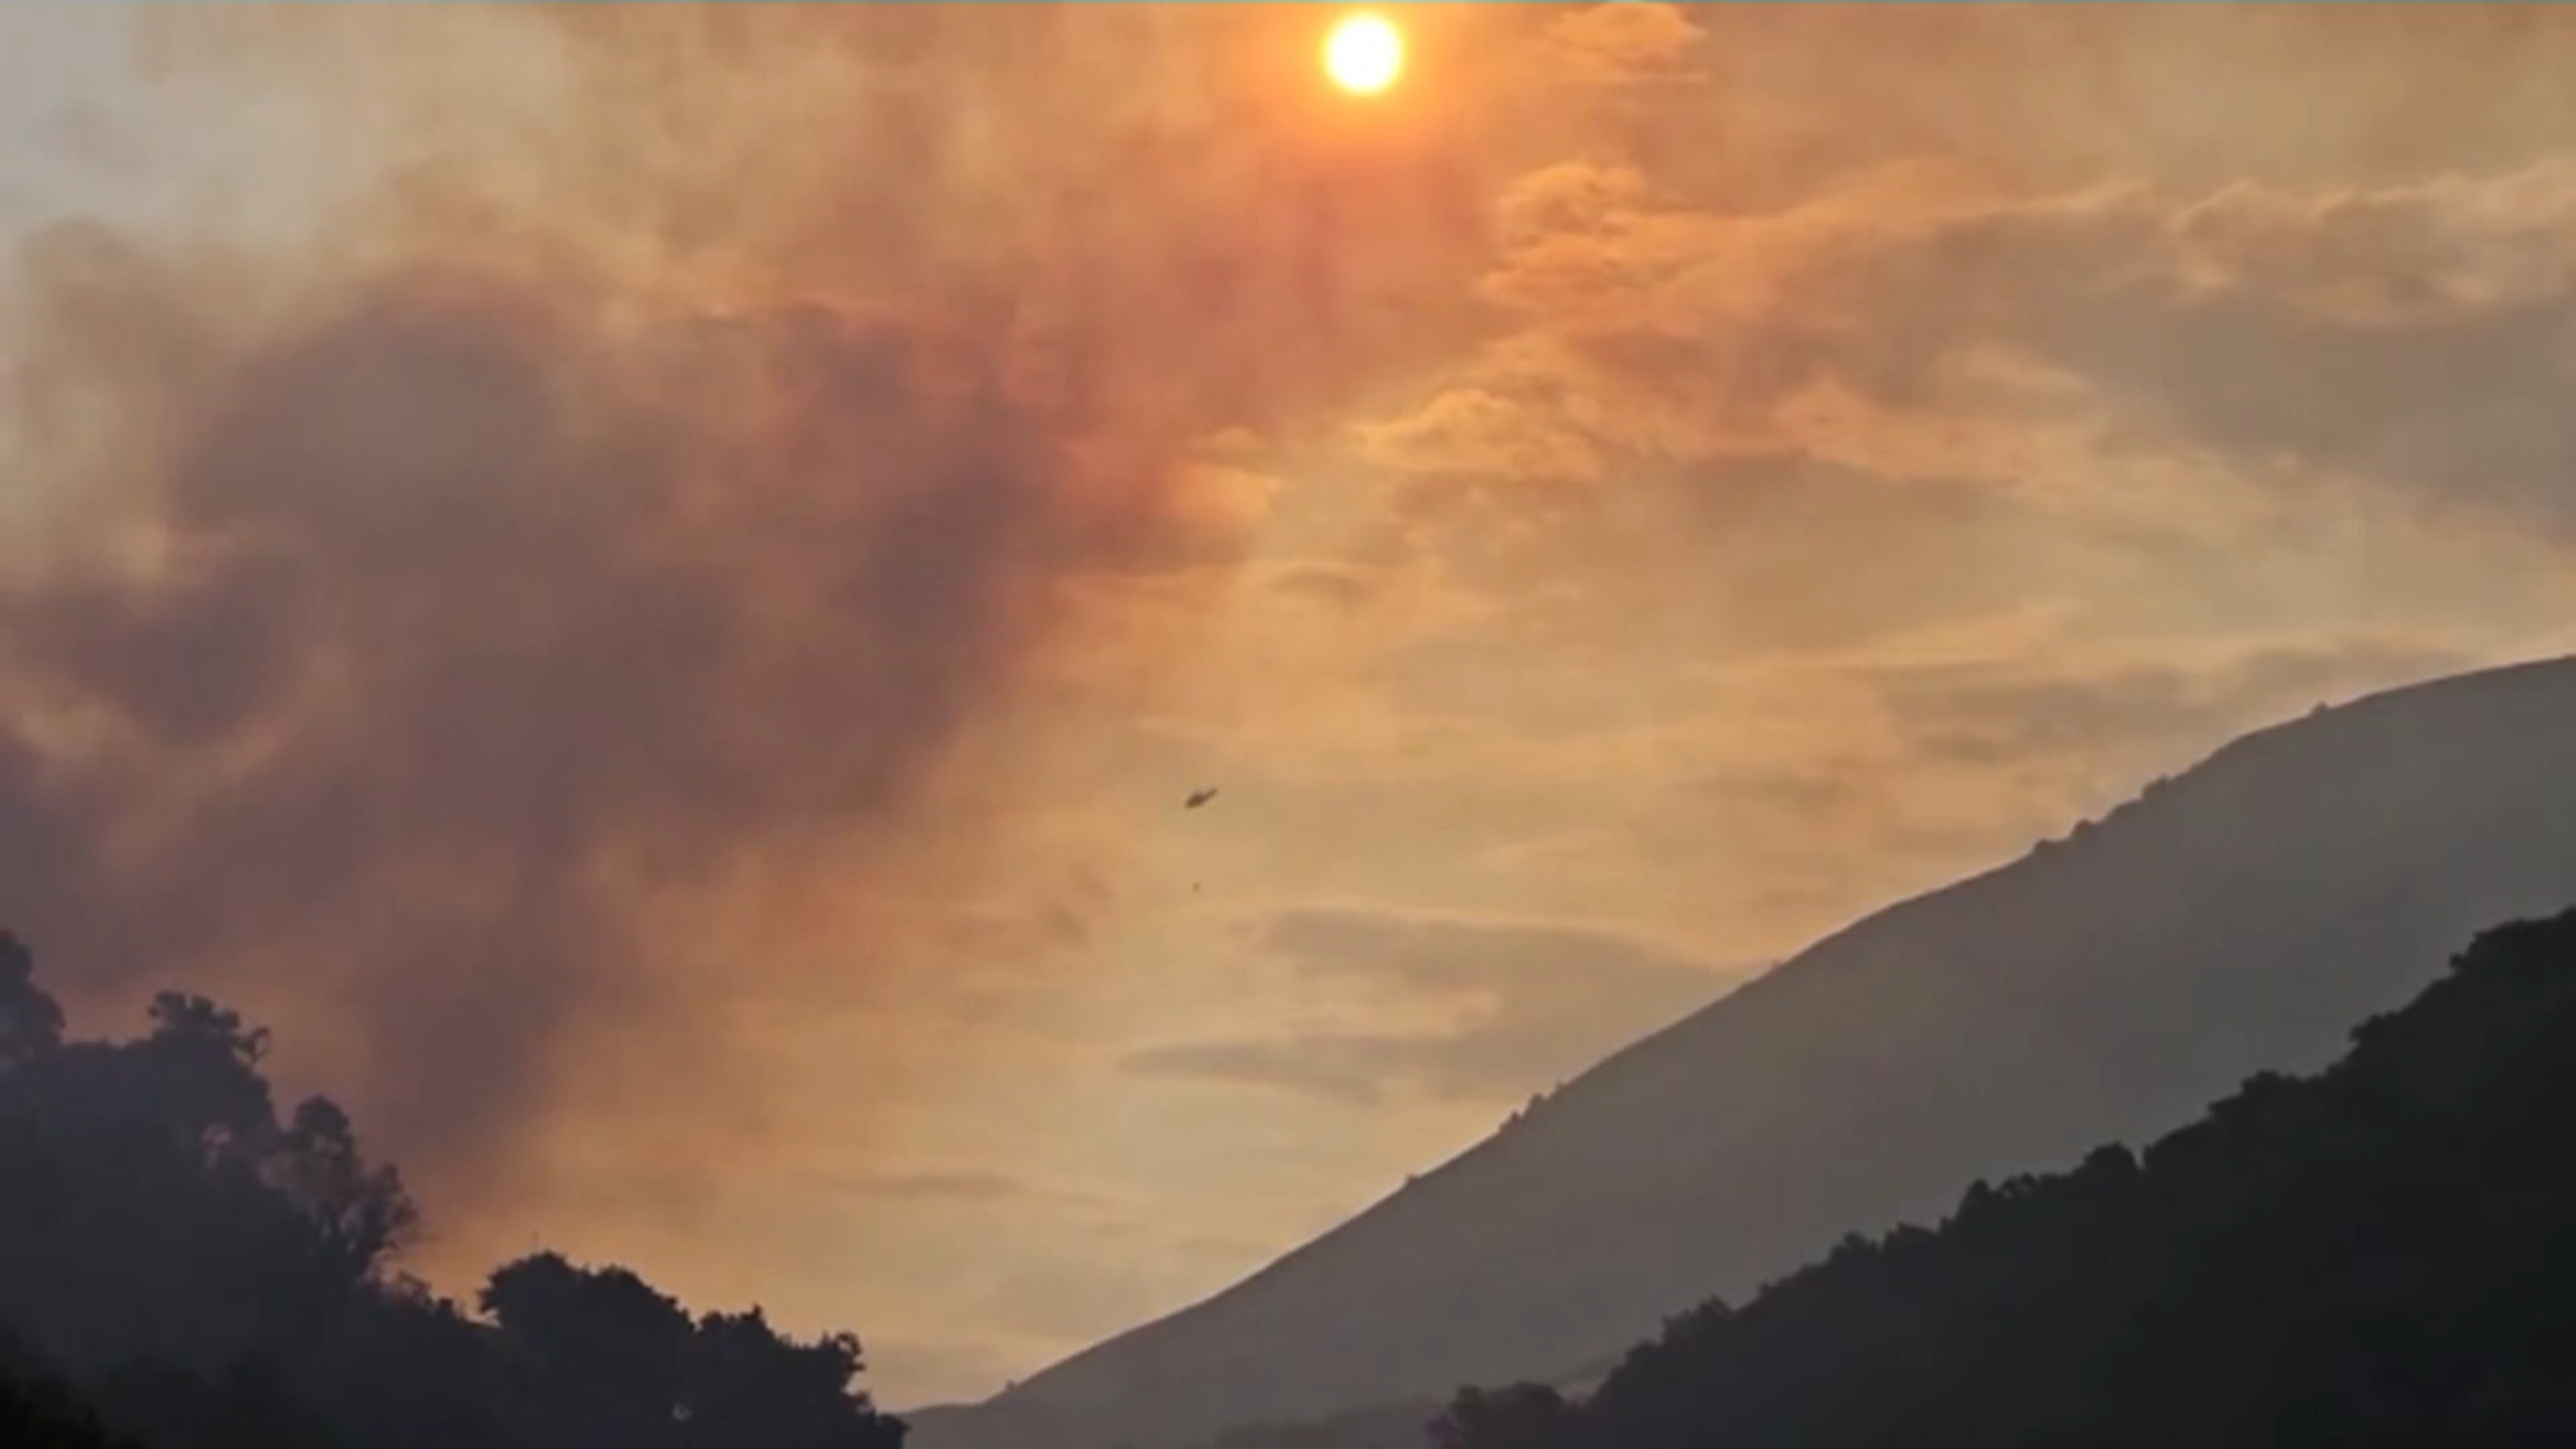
(2236, 918)
(646, 586)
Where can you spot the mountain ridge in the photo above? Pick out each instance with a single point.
(2372, 1254)
(2100, 986)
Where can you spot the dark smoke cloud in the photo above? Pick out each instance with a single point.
(470, 624)
(619, 500)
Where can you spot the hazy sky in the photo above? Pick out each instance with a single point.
(646, 584)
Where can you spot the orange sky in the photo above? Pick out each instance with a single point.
(646, 583)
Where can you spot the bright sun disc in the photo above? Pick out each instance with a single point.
(1364, 55)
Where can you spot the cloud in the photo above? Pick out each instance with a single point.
(1475, 432)
(1343, 1066)
(944, 1370)
(2408, 335)
(965, 1188)
(2018, 713)
(2158, 408)
(1627, 42)
(469, 623)
(476, 621)
(1525, 1006)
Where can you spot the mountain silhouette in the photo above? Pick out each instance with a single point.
(2236, 918)
(2376, 1255)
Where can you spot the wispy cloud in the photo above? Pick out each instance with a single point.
(1529, 1004)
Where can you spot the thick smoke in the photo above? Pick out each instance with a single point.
(619, 496)
(666, 446)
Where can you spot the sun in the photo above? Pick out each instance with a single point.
(1364, 54)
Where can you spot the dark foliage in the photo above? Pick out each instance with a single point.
(2376, 1256)
(36, 1416)
(211, 1276)
(39, 1412)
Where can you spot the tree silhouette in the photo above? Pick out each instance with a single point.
(600, 1357)
(212, 1277)
(37, 1412)
(1523, 1416)
(31, 1023)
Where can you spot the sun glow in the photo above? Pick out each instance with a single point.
(1364, 54)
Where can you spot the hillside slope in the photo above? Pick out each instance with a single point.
(2378, 1255)
(2237, 918)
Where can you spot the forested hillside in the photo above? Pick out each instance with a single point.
(2376, 1255)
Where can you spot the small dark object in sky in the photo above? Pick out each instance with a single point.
(1199, 798)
